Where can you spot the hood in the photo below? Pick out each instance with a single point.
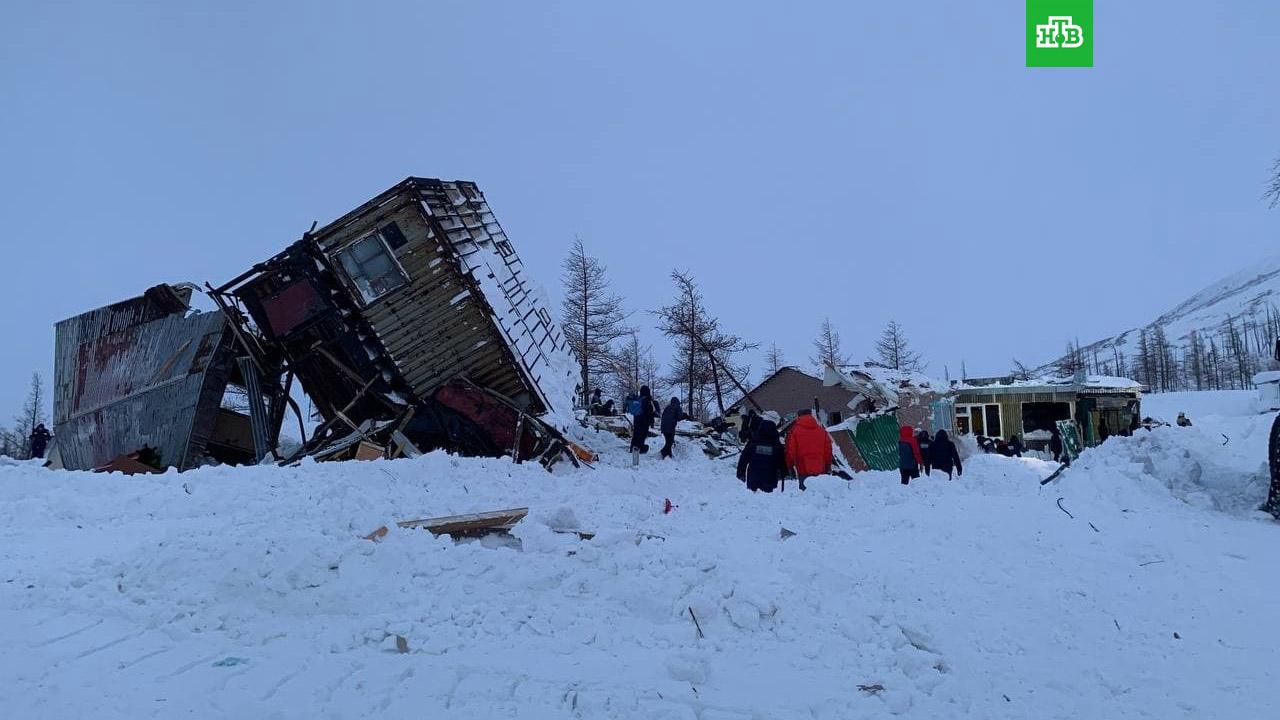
(906, 433)
(808, 422)
(941, 436)
(766, 431)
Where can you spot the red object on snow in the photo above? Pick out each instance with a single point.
(667, 507)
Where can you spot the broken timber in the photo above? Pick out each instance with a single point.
(471, 525)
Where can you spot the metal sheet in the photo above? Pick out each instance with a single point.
(877, 441)
(134, 374)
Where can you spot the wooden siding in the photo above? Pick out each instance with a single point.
(437, 326)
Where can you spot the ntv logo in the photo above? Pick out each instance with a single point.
(1059, 32)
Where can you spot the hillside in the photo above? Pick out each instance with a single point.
(1250, 297)
(249, 592)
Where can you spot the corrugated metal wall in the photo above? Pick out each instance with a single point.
(877, 441)
(129, 375)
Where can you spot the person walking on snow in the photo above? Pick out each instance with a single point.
(641, 424)
(39, 441)
(922, 441)
(1055, 443)
(944, 455)
(909, 460)
(808, 449)
(671, 415)
(763, 461)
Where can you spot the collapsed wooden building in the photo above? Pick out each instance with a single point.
(409, 323)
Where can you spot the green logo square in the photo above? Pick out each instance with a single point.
(1059, 33)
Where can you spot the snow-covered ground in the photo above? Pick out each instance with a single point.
(249, 593)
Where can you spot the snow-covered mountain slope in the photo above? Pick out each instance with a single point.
(233, 593)
(1248, 292)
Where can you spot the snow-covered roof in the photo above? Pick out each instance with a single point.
(1053, 384)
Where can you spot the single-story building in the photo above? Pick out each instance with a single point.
(1002, 407)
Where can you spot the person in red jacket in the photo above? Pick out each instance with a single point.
(808, 448)
(909, 457)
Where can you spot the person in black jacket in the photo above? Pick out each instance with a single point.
(748, 426)
(39, 441)
(922, 439)
(671, 415)
(763, 461)
(641, 424)
(944, 456)
(1055, 443)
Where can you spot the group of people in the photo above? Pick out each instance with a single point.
(917, 453)
(644, 411)
(767, 460)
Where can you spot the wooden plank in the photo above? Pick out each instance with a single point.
(469, 523)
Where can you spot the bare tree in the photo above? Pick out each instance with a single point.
(705, 354)
(894, 351)
(826, 347)
(632, 366)
(1073, 361)
(1020, 371)
(33, 414)
(773, 359)
(592, 318)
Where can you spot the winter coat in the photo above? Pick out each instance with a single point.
(908, 450)
(748, 426)
(923, 441)
(763, 461)
(943, 455)
(808, 448)
(671, 415)
(39, 441)
(1055, 443)
(642, 423)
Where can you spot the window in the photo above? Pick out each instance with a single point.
(371, 267)
(978, 419)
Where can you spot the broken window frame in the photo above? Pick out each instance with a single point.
(966, 413)
(350, 269)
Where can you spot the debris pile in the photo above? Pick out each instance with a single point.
(409, 323)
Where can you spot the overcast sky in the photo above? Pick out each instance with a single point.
(866, 163)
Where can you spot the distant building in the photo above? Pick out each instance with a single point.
(1002, 407)
(789, 389)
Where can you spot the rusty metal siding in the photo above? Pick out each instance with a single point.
(129, 376)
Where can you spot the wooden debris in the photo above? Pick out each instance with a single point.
(785, 533)
(369, 451)
(696, 624)
(402, 644)
(872, 689)
(471, 525)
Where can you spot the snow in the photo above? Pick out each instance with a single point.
(1246, 293)
(248, 592)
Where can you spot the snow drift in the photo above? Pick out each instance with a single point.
(249, 592)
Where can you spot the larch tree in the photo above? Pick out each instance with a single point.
(592, 317)
(894, 351)
(706, 356)
(826, 347)
(1020, 371)
(632, 366)
(773, 359)
(33, 414)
